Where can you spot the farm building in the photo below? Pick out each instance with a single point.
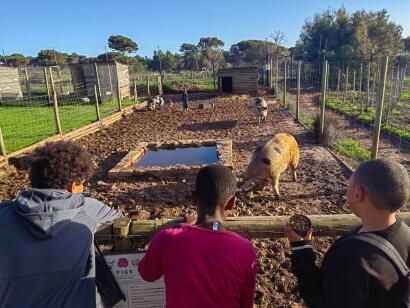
(9, 83)
(238, 80)
(85, 76)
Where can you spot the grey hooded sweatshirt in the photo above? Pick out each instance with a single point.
(46, 249)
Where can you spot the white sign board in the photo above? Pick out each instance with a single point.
(138, 292)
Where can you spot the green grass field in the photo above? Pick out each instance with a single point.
(23, 126)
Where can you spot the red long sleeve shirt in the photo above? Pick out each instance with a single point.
(202, 267)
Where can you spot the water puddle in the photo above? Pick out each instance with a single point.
(184, 156)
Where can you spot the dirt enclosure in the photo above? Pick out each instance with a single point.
(319, 190)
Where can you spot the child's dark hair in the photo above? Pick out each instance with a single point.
(58, 164)
(215, 184)
(387, 183)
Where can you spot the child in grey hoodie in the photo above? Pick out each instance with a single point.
(47, 233)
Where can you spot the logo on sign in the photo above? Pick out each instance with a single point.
(122, 262)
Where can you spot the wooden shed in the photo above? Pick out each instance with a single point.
(238, 80)
(85, 76)
(9, 83)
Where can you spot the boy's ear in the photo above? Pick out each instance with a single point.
(360, 194)
(194, 198)
(230, 204)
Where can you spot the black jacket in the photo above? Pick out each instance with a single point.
(353, 273)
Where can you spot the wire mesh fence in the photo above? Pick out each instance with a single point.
(350, 93)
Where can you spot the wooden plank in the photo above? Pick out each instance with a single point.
(258, 226)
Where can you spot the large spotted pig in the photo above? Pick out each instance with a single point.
(270, 161)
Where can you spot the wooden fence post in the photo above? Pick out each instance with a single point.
(368, 84)
(135, 93)
(148, 89)
(323, 100)
(277, 78)
(3, 148)
(379, 108)
(97, 105)
(97, 80)
(28, 87)
(51, 80)
(119, 96)
(47, 85)
(284, 84)
(298, 90)
(271, 74)
(346, 83)
(57, 114)
(159, 81)
(339, 74)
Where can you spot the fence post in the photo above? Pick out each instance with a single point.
(368, 85)
(298, 90)
(148, 89)
(379, 108)
(28, 87)
(346, 83)
(323, 100)
(47, 85)
(159, 81)
(97, 105)
(276, 78)
(271, 74)
(119, 96)
(97, 80)
(339, 73)
(135, 93)
(57, 114)
(3, 148)
(51, 80)
(284, 84)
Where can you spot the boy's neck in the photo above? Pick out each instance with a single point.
(377, 221)
(206, 219)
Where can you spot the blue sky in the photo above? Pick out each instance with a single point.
(83, 26)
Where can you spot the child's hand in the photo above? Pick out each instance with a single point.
(294, 237)
(190, 218)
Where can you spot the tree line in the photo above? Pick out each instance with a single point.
(332, 34)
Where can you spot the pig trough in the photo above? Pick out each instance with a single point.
(173, 158)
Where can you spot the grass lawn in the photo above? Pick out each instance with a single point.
(23, 126)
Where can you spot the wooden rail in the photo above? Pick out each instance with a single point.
(249, 226)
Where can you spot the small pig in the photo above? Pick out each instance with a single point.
(260, 108)
(270, 161)
(151, 103)
(159, 102)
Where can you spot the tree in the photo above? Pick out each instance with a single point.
(210, 48)
(406, 44)
(122, 44)
(250, 52)
(169, 61)
(341, 37)
(17, 59)
(189, 56)
(49, 57)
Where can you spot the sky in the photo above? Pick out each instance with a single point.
(83, 26)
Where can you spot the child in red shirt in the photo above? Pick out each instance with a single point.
(203, 264)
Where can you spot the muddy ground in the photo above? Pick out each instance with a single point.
(319, 190)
